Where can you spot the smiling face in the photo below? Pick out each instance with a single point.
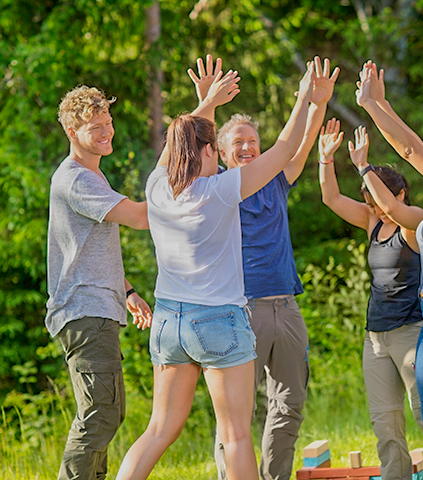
(95, 136)
(241, 146)
(376, 210)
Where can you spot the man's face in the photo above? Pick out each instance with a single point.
(95, 136)
(242, 146)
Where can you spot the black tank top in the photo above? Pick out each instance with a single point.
(395, 273)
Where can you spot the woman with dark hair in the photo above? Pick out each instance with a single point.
(200, 321)
(394, 317)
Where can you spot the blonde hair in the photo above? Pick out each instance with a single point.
(80, 105)
(235, 120)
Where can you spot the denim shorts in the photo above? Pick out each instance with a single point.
(212, 337)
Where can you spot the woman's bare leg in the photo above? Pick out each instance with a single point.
(232, 392)
(174, 388)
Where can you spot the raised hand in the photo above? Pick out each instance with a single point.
(359, 153)
(205, 76)
(323, 84)
(330, 139)
(306, 83)
(363, 93)
(224, 89)
(377, 85)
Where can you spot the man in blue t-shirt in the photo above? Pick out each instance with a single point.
(270, 276)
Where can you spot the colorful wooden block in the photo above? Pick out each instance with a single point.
(316, 461)
(324, 464)
(355, 459)
(418, 475)
(417, 467)
(315, 448)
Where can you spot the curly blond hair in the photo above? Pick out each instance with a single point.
(234, 121)
(80, 105)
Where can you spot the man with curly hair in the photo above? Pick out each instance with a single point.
(86, 284)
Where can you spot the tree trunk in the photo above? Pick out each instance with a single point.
(155, 77)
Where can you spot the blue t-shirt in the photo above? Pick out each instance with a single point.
(268, 258)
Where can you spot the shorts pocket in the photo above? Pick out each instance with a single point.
(157, 326)
(217, 335)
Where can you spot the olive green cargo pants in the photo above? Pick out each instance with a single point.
(93, 354)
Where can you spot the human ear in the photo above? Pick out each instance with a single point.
(223, 157)
(71, 132)
(401, 195)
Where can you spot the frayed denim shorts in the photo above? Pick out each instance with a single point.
(212, 337)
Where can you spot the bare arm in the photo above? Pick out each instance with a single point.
(321, 94)
(257, 174)
(295, 167)
(404, 215)
(350, 210)
(406, 142)
(129, 213)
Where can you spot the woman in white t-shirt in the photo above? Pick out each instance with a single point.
(200, 321)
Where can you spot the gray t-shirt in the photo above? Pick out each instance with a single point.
(84, 261)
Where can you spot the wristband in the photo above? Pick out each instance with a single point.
(130, 292)
(369, 168)
(326, 163)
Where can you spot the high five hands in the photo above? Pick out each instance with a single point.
(323, 84)
(371, 85)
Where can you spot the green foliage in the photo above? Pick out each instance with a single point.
(334, 307)
(47, 47)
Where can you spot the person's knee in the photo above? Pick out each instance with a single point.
(164, 432)
(235, 433)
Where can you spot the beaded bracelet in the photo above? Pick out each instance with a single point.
(326, 163)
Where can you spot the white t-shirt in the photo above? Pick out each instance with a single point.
(198, 239)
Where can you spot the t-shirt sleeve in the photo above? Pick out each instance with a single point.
(227, 186)
(92, 197)
(284, 182)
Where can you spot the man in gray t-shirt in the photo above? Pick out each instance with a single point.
(86, 283)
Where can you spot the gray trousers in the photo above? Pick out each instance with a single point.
(388, 366)
(94, 358)
(282, 353)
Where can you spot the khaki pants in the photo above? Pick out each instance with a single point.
(282, 352)
(388, 366)
(93, 354)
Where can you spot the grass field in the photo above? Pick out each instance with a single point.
(34, 452)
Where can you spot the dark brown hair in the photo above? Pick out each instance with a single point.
(393, 180)
(186, 137)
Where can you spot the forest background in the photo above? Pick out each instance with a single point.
(139, 51)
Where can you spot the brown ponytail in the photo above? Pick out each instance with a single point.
(186, 137)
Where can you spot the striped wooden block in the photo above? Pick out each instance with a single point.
(315, 448)
(316, 461)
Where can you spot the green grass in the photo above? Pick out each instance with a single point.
(31, 448)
